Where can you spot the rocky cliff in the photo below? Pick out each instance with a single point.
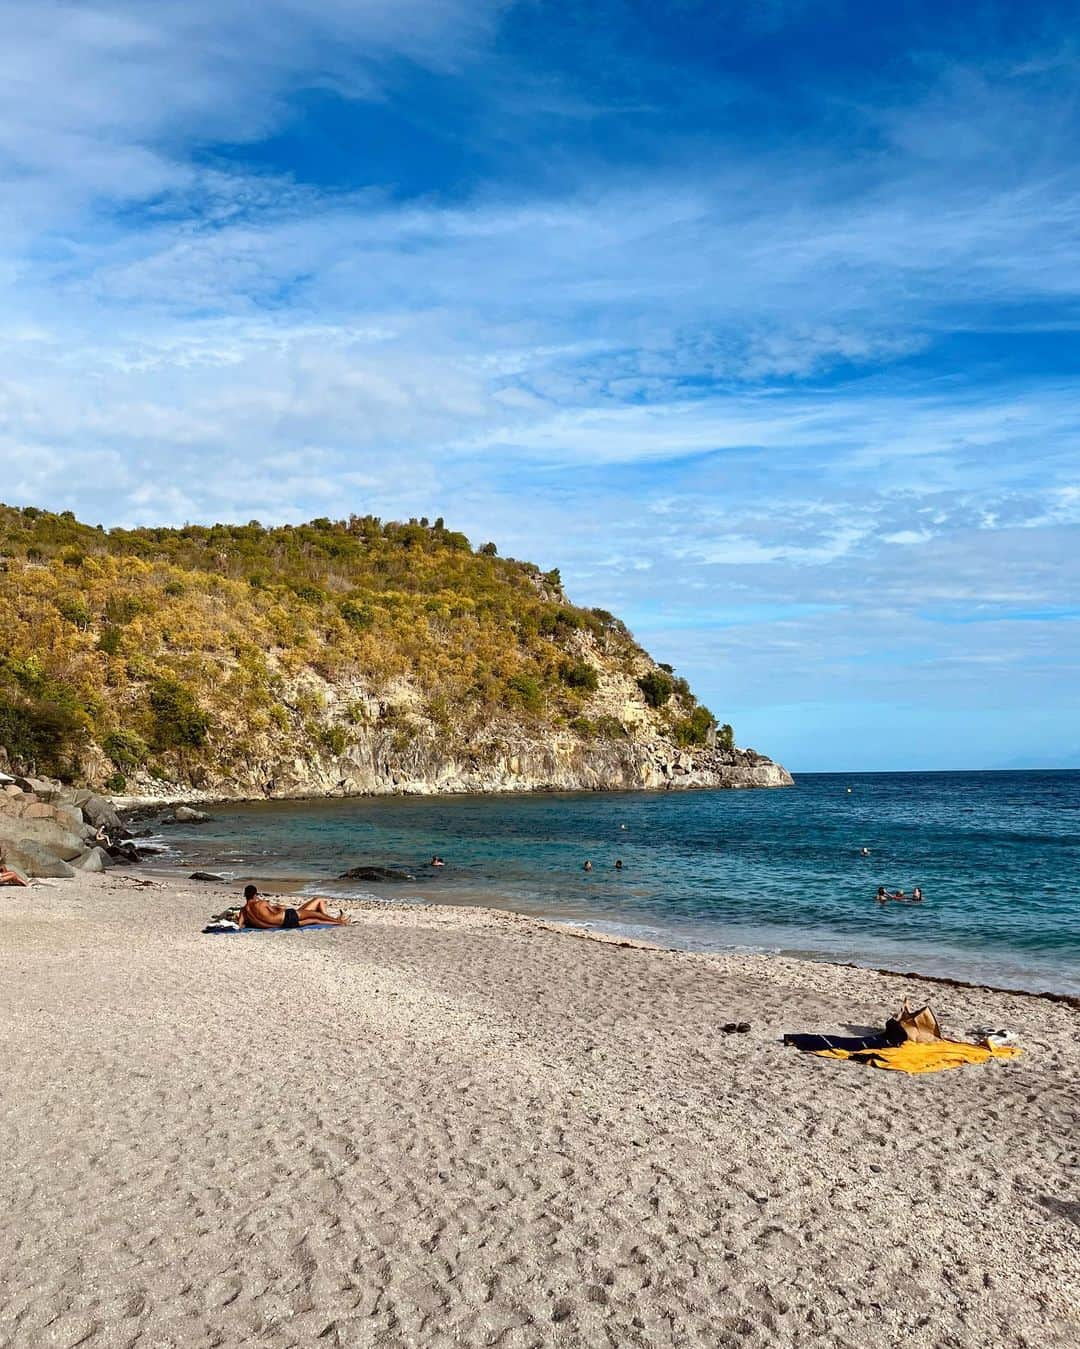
(330, 658)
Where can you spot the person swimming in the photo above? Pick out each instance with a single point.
(587, 866)
(864, 852)
(437, 861)
(618, 864)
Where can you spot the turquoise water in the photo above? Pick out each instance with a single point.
(996, 854)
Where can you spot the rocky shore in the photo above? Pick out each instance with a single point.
(376, 766)
(50, 830)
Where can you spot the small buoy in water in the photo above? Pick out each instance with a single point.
(849, 790)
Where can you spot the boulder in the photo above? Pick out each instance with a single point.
(31, 858)
(71, 817)
(189, 815)
(42, 788)
(39, 810)
(206, 876)
(124, 853)
(98, 812)
(48, 833)
(376, 874)
(94, 859)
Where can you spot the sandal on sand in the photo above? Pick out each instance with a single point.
(732, 1026)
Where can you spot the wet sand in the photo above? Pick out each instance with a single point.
(457, 1127)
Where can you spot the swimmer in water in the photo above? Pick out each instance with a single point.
(587, 867)
(437, 861)
(916, 895)
(618, 864)
(864, 852)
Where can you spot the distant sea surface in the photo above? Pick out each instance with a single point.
(997, 856)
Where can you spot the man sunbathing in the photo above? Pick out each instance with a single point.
(259, 912)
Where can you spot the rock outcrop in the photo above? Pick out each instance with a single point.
(49, 830)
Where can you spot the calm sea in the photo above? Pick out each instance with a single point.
(996, 854)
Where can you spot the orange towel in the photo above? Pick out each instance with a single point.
(912, 1057)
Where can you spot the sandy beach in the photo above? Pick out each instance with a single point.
(455, 1127)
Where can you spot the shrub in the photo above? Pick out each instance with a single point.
(694, 729)
(179, 722)
(359, 616)
(109, 641)
(579, 675)
(115, 782)
(42, 734)
(610, 728)
(657, 687)
(126, 749)
(525, 690)
(725, 737)
(122, 609)
(75, 609)
(488, 550)
(334, 739)
(309, 594)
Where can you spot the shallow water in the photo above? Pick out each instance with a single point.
(996, 854)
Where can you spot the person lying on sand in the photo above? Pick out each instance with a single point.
(8, 877)
(259, 912)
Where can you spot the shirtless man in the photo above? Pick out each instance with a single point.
(259, 912)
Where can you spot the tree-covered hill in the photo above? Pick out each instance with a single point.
(241, 658)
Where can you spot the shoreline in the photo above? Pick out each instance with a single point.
(576, 928)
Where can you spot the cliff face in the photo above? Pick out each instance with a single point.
(346, 657)
(377, 764)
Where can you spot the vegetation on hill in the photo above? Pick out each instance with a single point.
(177, 650)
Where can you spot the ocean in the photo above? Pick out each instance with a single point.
(997, 856)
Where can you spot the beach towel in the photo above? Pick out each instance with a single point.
(217, 929)
(916, 1057)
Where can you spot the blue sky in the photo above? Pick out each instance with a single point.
(760, 321)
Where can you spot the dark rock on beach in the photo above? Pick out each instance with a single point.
(207, 876)
(366, 873)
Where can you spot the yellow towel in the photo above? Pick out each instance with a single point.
(911, 1057)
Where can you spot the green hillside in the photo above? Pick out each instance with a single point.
(198, 653)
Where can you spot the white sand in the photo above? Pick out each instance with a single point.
(454, 1127)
